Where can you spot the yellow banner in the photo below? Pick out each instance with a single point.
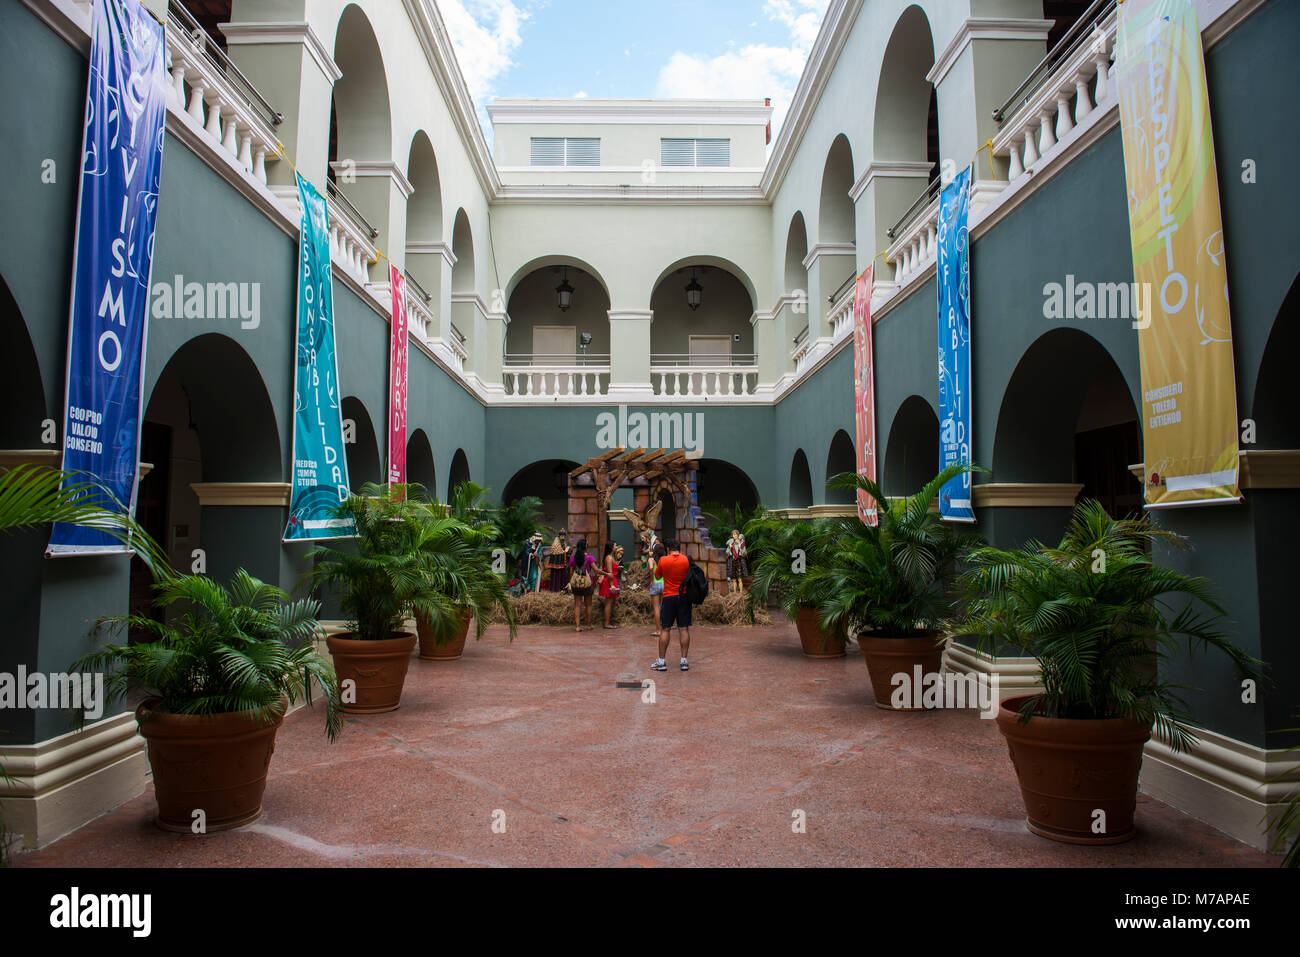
(1189, 393)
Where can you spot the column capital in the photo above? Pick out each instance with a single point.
(889, 169)
(616, 315)
(985, 28)
(376, 169)
(254, 32)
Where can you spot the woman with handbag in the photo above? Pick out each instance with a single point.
(582, 578)
(609, 582)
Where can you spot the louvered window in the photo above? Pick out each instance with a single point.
(565, 151)
(694, 152)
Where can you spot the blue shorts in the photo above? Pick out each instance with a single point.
(657, 588)
(674, 610)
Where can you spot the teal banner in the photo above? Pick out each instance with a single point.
(320, 465)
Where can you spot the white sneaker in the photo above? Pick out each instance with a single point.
(685, 665)
(659, 665)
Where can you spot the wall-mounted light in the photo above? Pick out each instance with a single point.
(565, 292)
(694, 292)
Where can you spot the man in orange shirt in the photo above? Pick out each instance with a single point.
(674, 609)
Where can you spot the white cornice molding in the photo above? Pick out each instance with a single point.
(477, 302)
(252, 32)
(584, 112)
(442, 249)
(642, 195)
(375, 168)
(440, 54)
(618, 315)
(828, 249)
(986, 28)
(834, 33)
(892, 169)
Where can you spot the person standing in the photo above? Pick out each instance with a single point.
(557, 562)
(582, 581)
(675, 609)
(532, 563)
(657, 552)
(609, 582)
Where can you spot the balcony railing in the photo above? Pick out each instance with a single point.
(351, 236)
(218, 97)
(1066, 88)
(552, 376)
(680, 374)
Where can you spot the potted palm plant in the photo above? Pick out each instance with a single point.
(32, 495)
(457, 564)
(890, 585)
(1100, 616)
(785, 570)
(381, 581)
(219, 678)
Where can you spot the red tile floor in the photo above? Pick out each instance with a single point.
(536, 734)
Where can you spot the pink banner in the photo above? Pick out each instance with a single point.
(864, 388)
(397, 353)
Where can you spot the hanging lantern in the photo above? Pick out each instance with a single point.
(694, 292)
(565, 292)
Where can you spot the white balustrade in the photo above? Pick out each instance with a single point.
(1059, 103)
(711, 381)
(554, 381)
(420, 319)
(217, 105)
(802, 352)
(841, 314)
(350, 244)
(916, 245)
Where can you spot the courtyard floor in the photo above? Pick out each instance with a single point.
(537, 735)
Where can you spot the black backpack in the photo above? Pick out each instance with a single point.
(696, 585)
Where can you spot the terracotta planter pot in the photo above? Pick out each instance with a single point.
(211, 763)
(1070, 768)
(430, 650)
(377, 667)
(886, 657)
(817, 643)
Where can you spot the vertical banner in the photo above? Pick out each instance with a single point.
(320, 465)
(864, 389)
(1189, 392)
(117, 206)
(397, 353)
(953, 279)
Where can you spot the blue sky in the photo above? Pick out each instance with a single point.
(665, 48)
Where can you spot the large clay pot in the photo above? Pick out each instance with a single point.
(817, 643)
(886, 657)
(378, 669)
(430, 650)
(216, 764)
(1071, 768)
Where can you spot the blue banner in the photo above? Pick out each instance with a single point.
(320, 465)
(117, 207)
(953, 279)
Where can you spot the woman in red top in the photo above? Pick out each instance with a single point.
(609, 582)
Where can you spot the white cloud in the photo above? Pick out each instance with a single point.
(755, 70)
(486, 35)
(580, 95)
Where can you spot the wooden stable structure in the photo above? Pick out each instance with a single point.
(649, 472)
